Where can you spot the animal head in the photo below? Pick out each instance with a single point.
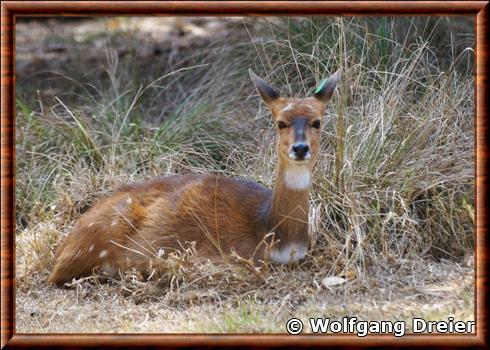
(298, 120)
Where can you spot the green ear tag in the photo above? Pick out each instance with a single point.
(320, 87)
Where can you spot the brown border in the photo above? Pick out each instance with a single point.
(10, 9)
(249, 8)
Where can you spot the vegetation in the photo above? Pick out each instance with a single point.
(393, 193)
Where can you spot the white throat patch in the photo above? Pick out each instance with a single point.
(297, 177)
(289, 254)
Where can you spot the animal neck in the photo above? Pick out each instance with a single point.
(288, 217)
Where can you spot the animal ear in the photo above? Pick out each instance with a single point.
(325, 90)
(266, 91)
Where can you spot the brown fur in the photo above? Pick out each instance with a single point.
(219, 214)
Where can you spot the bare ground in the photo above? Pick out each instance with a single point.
(46, 309)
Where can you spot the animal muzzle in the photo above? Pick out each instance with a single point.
(300, 151)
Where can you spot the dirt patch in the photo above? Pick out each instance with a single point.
(102, 308)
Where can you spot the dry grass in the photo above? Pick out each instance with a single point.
(392, 201)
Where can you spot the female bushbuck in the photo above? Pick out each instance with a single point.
(220, 215)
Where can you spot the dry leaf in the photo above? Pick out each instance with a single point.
(333, 281)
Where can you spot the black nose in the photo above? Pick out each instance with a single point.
(300, 150)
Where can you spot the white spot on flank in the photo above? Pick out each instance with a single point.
(289, 254)
(103, 254)
(91, 248)
(78, 253)
(90, 225)
(129, 200)
(297, 177)
(114, 222)
(288, 108)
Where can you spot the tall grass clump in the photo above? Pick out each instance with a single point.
(395, 180)
(113, 122)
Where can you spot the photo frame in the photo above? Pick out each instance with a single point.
(13, 9)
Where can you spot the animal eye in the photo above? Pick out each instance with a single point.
(282, 125)
(316, 124)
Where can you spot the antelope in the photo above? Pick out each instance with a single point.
(219, 215)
